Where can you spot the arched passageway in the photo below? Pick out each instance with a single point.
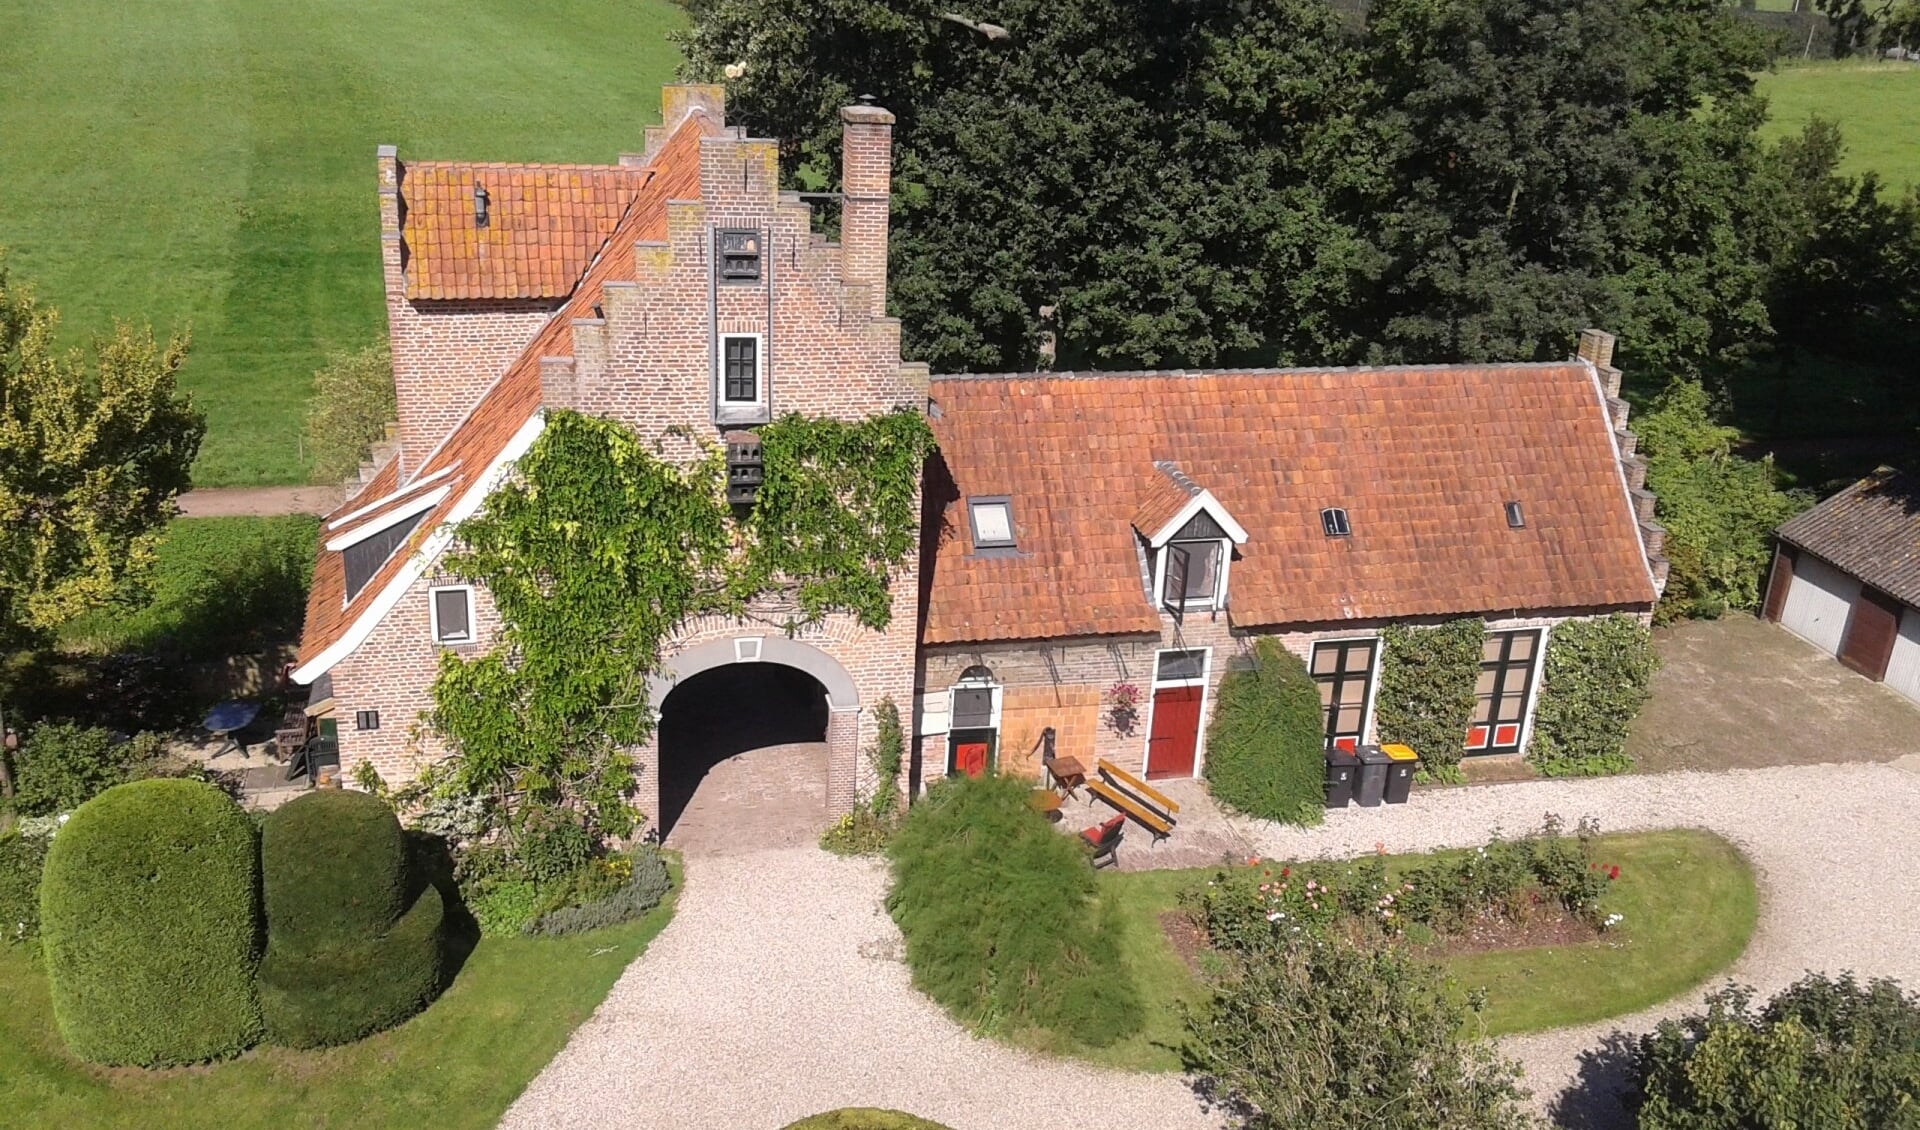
(743, 759)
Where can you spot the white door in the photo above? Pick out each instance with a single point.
(1818, 602)
(1903, 670)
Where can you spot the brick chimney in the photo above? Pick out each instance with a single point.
(866, 178)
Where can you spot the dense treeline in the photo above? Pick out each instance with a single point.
(1212, 182)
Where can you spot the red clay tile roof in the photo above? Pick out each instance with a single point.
(545, 224)
(1162, 495)
(506, 407)
(1422, 458)
(1871, 530)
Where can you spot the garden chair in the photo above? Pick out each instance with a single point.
(1104, 839)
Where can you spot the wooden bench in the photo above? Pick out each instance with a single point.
(1142, 792)
(1152, 821)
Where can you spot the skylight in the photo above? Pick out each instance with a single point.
(1333, 521)
(1516, 518)
(992, 520)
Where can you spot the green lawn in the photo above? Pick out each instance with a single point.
(210, 163)
(459, 1064)
(1689, 903)
(220, 586)
(1877, 106)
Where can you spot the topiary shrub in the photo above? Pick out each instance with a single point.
(149, 923)
(354, 941)
(1426, 694)
(1826, 1052)
(864, 1118)
(1267, 741)
(1312, 1030)
(1596, 678)
(1002, 927)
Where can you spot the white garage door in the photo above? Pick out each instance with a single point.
(1903, 670)
(1818, 602)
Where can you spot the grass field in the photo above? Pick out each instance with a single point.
(1877, 106)
(210, 163)
(1688, 899)
(458, 1064)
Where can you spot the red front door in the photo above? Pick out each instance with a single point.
(1176, 730)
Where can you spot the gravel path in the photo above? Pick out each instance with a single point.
(777, 991)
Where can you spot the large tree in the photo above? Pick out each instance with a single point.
(1174, 181)
(95, 446)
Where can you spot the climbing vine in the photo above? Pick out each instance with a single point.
(597, 549)
(1426, 690)
(1597, 676)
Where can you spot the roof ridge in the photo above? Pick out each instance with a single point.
(1255, 371)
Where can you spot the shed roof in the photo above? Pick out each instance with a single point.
(1871, 530)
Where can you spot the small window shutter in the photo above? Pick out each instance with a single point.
(454, 615)
(972, 708)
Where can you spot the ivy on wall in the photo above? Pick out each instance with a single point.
(597, 549)
(1426, 694)
(1597, 676)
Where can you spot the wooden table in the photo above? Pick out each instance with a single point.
(1067, 773)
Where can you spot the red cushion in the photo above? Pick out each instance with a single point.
(1100, 831)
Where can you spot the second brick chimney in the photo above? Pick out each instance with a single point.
(866, 179)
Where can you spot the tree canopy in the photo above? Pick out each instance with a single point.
(95, 446)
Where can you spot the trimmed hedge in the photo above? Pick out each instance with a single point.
(864, 1118)
(346, 957)
(337, 996)
(1266, 743)
(22, 859)
(333, 869)
(1001, 923)
(149, 921)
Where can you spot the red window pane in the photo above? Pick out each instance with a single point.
(1477, 737)
(1506, 735)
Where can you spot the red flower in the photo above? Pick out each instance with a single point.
(1285, 871)
(1613, 872)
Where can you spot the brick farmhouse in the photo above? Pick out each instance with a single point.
(1083, 531)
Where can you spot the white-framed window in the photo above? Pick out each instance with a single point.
(1192, 573)
(973, 734)
(450, 609)
(740, 369)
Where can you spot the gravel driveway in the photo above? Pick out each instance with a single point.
(777, 990)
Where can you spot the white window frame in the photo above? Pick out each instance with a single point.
(1537, 672)
(720, 370)
(1204, 682)
(1368, 734)
(974, 505)
(433, 615)
(996, 695)
(1219, 598)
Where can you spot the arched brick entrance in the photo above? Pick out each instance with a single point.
(755, 735)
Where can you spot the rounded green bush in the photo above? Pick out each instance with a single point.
(334, 870)
(149, 920)
(1002, 921)
(346, 955)
(864, 1118)
(1265, 745)
(336, 996)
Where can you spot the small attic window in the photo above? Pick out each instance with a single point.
(740, 255)
(1516, 518)
(1333, 522)
(992, 521)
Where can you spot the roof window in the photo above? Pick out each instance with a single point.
(992, 521)
(1333, 521)
(1516, 518)
(481, 215)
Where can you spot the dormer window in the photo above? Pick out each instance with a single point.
(1333, 522)
(740, 256)
(1192, 575)
(992, 522)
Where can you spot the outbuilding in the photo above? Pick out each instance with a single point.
(1846, 577)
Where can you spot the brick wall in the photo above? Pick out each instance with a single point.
(1064, 684)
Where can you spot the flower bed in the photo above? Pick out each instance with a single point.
(1543, 888)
